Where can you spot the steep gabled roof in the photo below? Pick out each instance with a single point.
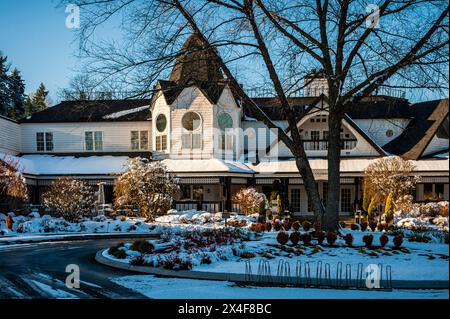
(381, 108)
(93, 111)
(427, 118)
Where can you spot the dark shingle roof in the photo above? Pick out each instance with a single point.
(272, 107)
(427, 118)
(93, 111)
(381, 108)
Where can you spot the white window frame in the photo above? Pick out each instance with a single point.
(141, 146)
(46, 142)
(94, 146)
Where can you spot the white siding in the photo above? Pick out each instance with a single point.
(9, 137)
(376, 128)
(69, 137)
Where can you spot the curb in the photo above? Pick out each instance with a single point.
(65, 237)
(187, 274)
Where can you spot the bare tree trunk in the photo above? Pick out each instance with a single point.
(331, 219)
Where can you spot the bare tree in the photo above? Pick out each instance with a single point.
(360, 46)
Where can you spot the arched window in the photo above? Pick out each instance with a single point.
(161, 136)
(192, 133)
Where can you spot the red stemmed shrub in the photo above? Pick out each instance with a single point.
(268, 226)
(282, 237)
(398, 240)
(295, 237)
(364, 226)
(287, 224)
(368, 239)
(277, 225)
(384, 240)
(348, 240)
(331, 238)
(296, 225)
(306, 238)
(320, 236)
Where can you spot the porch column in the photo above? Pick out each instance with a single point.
(285, 193)
(228, 205)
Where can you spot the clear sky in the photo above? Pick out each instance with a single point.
(35, 39)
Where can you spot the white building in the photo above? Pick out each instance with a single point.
(205, 135)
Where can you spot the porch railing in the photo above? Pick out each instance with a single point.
(207, 206)
(322, 145)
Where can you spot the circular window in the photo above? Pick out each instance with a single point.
(225, 121)
(161, 123)
(191, 121)
(389, 133)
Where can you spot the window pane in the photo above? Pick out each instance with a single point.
(144, 140)
(346, 200)
(158, 143)
(198, 193)
(40, 142)
(439, 190)
(186, 140)
(98, 141)
(295, 200)
(88, 139)
(315, 135)
(185, 192)
(49, 142)
(134, 140)
(164, 142)
(196, 141)
(428, 191)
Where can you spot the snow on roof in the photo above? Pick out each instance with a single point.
(70, 165)
(213, 165)
(125, 112)
(347, 165)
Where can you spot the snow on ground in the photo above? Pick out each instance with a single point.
(176, 288)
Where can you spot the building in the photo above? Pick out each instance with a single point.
(207, 137)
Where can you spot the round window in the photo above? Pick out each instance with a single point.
(191, 121)
(161, 123)
(225, 121)
(389, 133)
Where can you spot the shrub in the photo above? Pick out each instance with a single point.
(398, 240)
(348, 240)
(295, 237)
(306, 225)
(12, 182)
(237, 223)
(142, 246)
(258, 227)
(343, 224)
(317, 225)
(368, 239)
(296, 225)
(287, 224)
(117, 252)
(354, 227)
(277, 225)
(331, 238)
(148, 185)
(282, 237)
(384, 240)
(137, 261)
(382, 226)
(363, 226)
(268, 226)
(70, 198)
(373, 225)
(306, 238)
(320, 236)
(247, 254)
(250, 201)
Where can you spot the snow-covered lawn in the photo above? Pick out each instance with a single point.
(175, 288)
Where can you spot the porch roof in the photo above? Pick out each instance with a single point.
(213, 165)
(348, 165)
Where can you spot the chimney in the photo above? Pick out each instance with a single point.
(315, 83)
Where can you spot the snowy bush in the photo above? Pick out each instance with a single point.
(12, 182)
(70, 198)
(250, 201)
(148, 185)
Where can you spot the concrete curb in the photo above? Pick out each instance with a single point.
(188, 274)
(65, 237)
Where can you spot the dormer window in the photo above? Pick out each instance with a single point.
(192, 137)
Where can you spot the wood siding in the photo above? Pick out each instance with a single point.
(9, 137)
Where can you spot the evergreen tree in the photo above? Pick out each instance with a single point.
(4, 91)
(39, 99)
(29, 108)
(16, 108)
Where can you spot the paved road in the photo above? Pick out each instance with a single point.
(38, 271)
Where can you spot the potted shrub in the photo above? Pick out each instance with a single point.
(287, 224)
(368, 239)
(295, 237)
(282, 237)
(354, 227)
(384, 240)
(398, 241)
(296, 225)
(373, 225)
(306, 238)
(268, 226)
(331, 238)
(277, 225)
(348, 240)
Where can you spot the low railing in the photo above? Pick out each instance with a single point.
(322, 145)
(207, 206)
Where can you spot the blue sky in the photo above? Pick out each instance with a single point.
(35, 39)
